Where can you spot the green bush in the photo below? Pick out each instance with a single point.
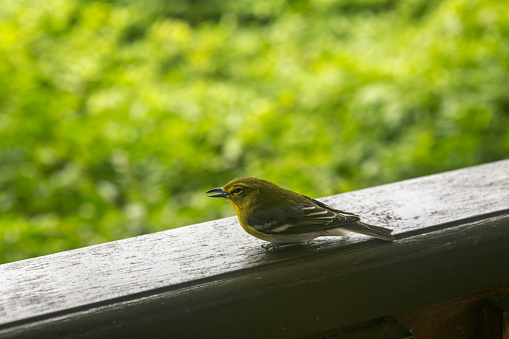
(116, 116)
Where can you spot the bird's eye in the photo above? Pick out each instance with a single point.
(237, 191)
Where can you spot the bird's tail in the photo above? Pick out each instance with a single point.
(373, 231)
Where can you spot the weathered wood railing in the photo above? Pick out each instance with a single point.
(213, 280)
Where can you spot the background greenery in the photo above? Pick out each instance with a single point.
(116, 116)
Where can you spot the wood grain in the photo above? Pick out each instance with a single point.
(460, 317)
(216, 267)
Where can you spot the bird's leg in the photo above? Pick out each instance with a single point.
(273, 245)
(270, 246)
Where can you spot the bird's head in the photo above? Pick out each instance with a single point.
(245, 193)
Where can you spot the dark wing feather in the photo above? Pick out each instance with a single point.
(272, 218)
(351, 222)
(309, 216)
(321, 204)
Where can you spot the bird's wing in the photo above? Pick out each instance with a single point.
(321, 204)
(306, 217)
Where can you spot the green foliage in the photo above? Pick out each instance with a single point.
(116, 116)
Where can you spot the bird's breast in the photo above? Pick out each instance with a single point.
(254, 232)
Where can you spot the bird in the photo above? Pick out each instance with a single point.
(277, 215)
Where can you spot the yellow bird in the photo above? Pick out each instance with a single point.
(278, 215)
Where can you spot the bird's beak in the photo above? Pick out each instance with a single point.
(219, 193)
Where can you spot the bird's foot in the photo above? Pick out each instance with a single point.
(271, 246)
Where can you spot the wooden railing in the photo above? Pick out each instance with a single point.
(212, 280)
